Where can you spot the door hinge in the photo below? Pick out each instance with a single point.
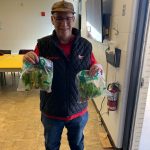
(142, 82)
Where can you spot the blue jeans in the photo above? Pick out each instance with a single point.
(53, 131)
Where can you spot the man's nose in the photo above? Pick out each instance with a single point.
(64, 22)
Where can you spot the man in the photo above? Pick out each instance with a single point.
(70, 53)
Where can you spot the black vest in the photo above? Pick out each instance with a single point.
(63, 100)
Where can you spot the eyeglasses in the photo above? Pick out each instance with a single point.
(60, 19)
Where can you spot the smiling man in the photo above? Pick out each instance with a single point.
(70, 53)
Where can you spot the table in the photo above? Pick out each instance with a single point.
(11, 63)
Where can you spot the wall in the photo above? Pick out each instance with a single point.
(122, 19)
(21, 24)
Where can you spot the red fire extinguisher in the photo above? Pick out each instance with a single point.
(112, 96)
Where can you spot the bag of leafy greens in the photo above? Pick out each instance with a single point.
(89, 87)
(36, 76)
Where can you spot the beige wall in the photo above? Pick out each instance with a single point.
(21, 24)
(121, 22)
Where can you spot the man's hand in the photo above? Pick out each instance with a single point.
(94, 69)
(31, 57)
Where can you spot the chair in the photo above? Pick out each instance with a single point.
(24, 51)
(5, 51)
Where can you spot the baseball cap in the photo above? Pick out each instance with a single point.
(62, 6)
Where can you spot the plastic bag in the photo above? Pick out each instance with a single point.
(90, 87)
(36, 76)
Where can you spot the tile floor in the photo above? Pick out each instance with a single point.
(20, 126)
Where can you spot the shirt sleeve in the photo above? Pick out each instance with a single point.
(93, 60)
(36, 50)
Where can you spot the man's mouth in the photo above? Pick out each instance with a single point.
(64, 29)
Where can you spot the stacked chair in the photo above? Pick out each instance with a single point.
(5, 51)
(24, 51)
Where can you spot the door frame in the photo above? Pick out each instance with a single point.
(135, 75)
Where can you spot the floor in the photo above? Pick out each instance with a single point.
(144, 141)
(20, 126)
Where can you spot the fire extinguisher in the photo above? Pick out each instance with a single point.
(112, 95)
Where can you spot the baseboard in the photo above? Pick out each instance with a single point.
(105, 127)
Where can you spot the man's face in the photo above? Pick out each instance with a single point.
(63, 23)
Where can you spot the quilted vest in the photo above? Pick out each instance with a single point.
(63, 100)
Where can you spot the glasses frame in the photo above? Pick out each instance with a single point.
(60, 19)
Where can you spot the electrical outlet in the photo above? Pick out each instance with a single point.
(108, 112)
(124, 10)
